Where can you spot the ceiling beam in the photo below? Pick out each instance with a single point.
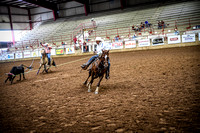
(44, 4)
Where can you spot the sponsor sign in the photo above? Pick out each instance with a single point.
(117, 45)
(18, 55)
(174, 39)
(130, 44)
(158, 41)
(34, 53)
(60, 51)
(10, 56)
(70, 50)
(199, 36)
(144, 43)
(27, 54)
(3, 56)
(188, 38)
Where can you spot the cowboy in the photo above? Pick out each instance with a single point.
(101, 45)
(47, 51)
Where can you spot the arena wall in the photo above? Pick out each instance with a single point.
(155, 42)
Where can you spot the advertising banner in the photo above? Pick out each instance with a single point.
(27, 54)
(70, 50)
(117, 45)
(144, 43)
(130, 44)
(18, 55)
(199, 36)
(10, 56)
(188, 38)
(60, 51)
(158, 41)
(174, 39)
(53, 51)
(3, 56)
(34, 53)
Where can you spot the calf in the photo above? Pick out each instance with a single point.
(16, 70)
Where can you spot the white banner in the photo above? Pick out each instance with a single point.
(157, 41)
(53, 51)
(174, 39)
(117, 45)
(3, 56)
(188, 38)
(18, 55)
(130, 44)
(27, 54)
(199, 36)
(144, 43)
(70, 50)
(10, 56)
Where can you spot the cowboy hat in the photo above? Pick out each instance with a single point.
(98, 39)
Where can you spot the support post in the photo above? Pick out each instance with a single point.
(11, 25)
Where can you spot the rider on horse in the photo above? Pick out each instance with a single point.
(48, 51)
(101, 45)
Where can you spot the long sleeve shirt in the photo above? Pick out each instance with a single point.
(102, 46)
(47, 48)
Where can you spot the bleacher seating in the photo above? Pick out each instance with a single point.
(180, 13)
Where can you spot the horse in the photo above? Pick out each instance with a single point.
(44, 61)
(97, 70)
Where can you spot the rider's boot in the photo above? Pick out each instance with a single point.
(86, 65)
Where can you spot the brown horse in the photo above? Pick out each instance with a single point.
(98, 69)
(44, 61)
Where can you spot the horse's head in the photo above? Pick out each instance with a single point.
(43, 53)
(104, 57)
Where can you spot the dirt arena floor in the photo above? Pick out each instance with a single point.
(148, 91)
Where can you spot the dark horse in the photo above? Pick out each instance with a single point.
(98, 69)
(44, 61)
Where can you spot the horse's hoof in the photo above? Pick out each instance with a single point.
(89, 90)
(96, 92)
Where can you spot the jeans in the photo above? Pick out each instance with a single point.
(49, 57)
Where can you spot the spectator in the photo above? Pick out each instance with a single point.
(163, 24)
(142, 25)
(134, 37)
(159, 25)
(146, 24)
(63, 43)
(176, 32)
(116, 38)
(75, 39)
(133, 27)
(137, 28)
(93, 22)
